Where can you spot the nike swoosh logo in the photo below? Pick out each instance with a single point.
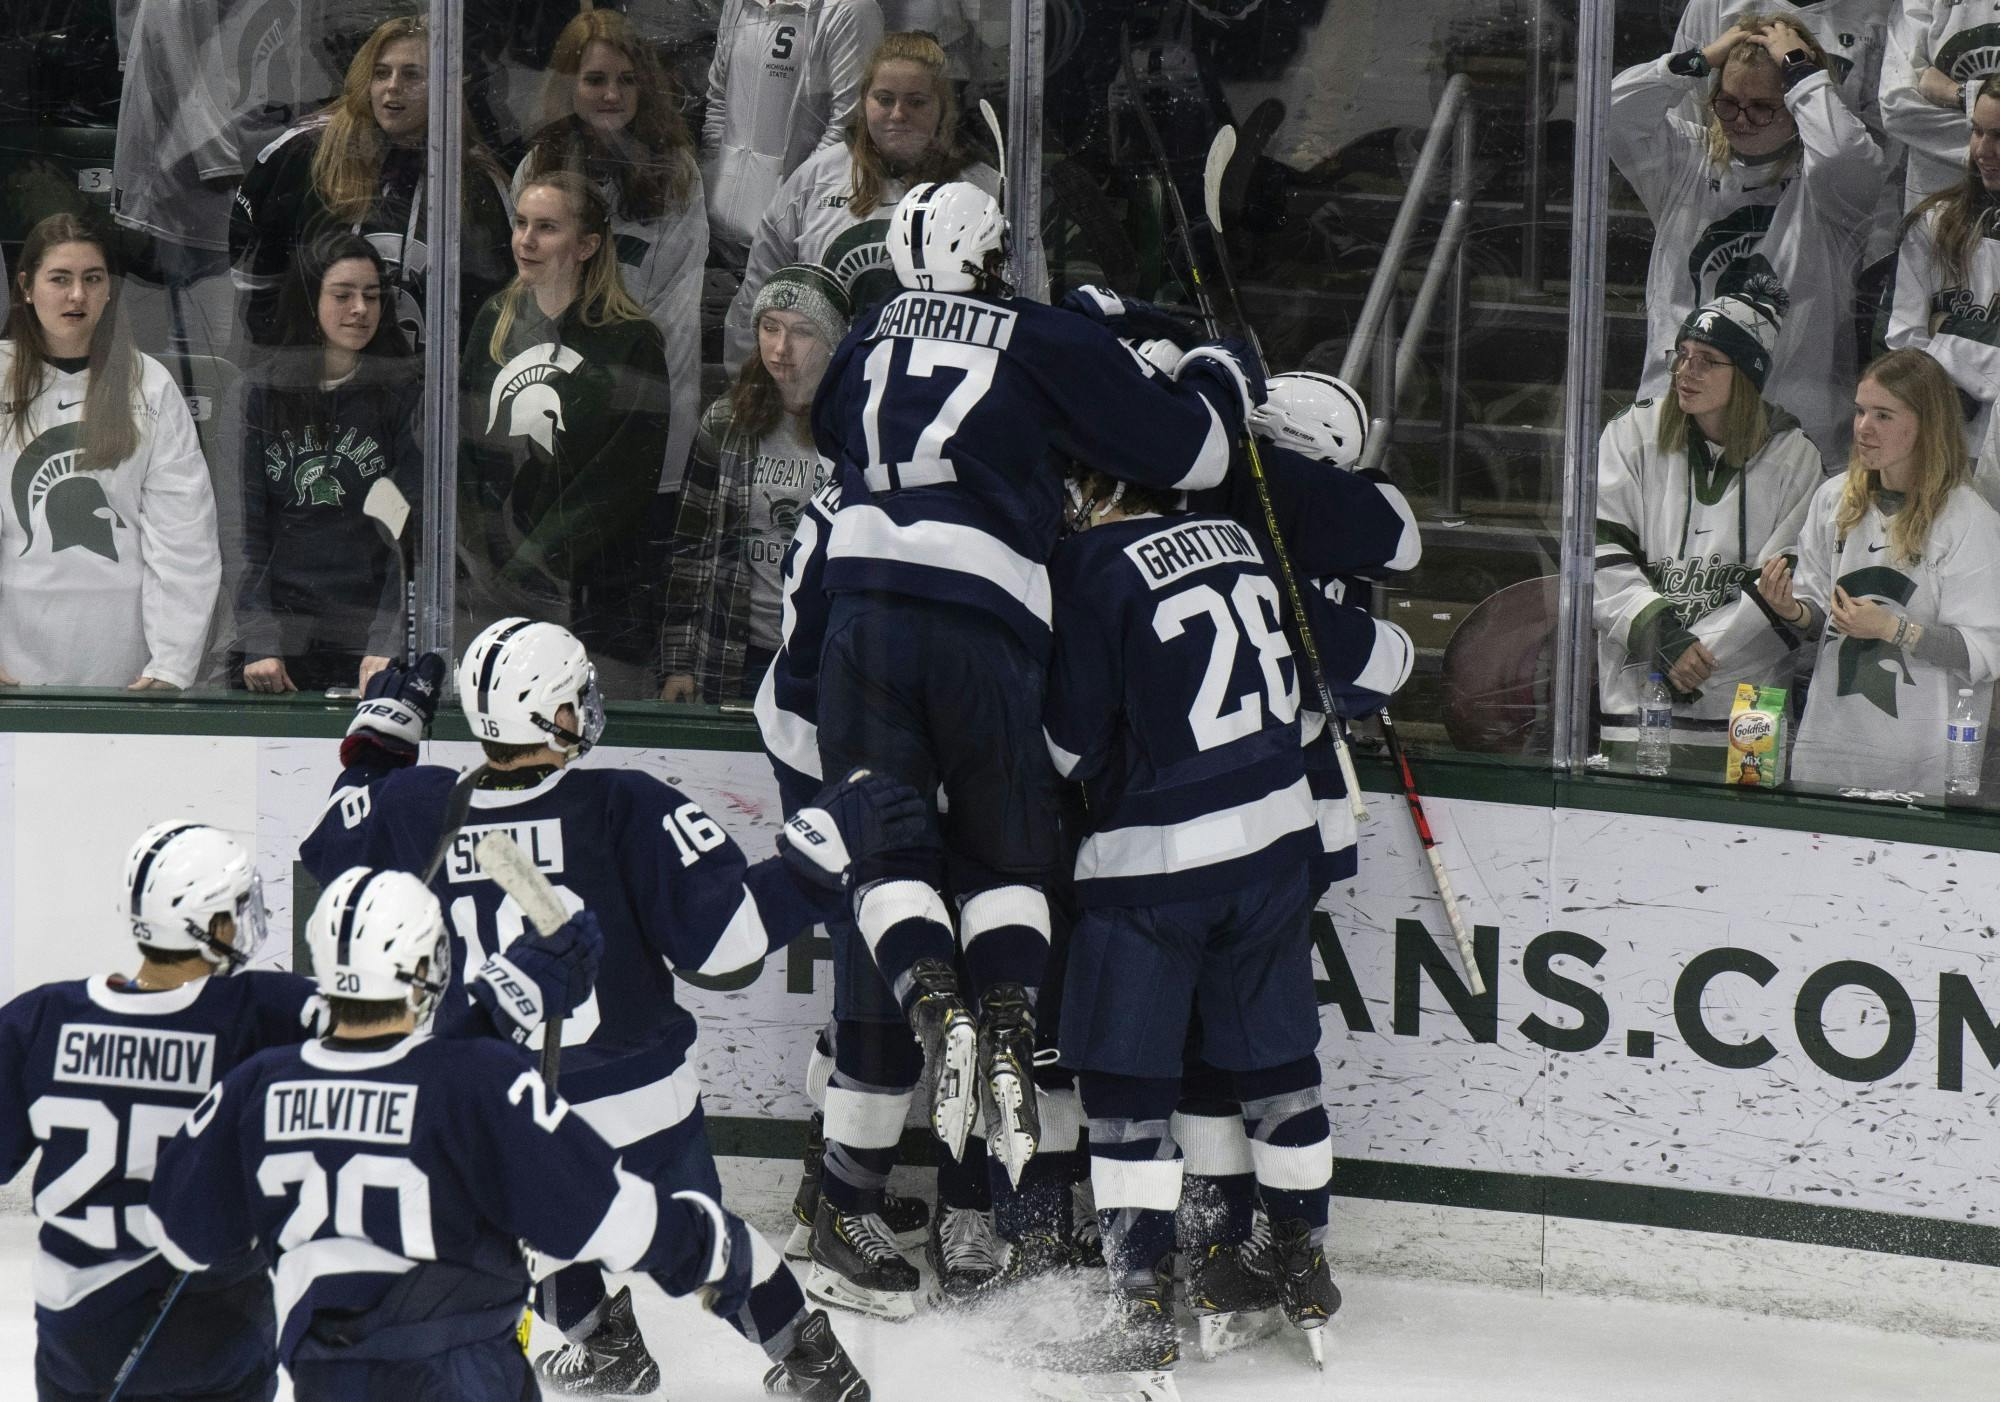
(1875, 549)
(60, 406)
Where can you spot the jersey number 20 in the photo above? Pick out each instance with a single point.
(1212, 725)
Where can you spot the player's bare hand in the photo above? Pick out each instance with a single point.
(1774, 582)
(269, 674)
(369, 667)
(1861, 618)
(678, 687)
(151, 684)
(1694, 666)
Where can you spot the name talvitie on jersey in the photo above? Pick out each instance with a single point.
(94, 1054)
(1177, 551)
(541, 839)
(368, 1112)
(940, 316)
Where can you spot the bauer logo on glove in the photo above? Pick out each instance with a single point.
(851, 821)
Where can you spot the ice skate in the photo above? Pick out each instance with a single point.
(1006, 1072)
(1232, 1305)
(950, 1040)
(611, 1362)
(1129, 1358)
(965, 1251)
(856, 1267)
(1305, 1285)
(908, 1219)
(817, 1368)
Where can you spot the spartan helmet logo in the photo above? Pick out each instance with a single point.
(526, 390)
(1705, 323)
(74, 508)
(784, 513)
(315, 483)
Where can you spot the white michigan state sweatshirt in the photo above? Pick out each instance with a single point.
(110, 575)
(1677, 536)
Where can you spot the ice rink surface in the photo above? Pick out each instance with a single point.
(1394, 1341)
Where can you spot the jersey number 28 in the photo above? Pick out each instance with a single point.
(1246, 604)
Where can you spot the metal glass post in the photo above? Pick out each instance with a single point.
(1024, 147)
(443, 169)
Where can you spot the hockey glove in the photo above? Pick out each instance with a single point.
(1130, 319)
(1233, 364)
(851, 821)
(540, 976)
(398, 708)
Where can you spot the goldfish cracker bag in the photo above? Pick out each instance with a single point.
(1756, 737)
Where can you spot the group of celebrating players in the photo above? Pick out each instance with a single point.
(1053, 793)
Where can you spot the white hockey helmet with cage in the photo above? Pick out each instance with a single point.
(941, 234)
(518, 674)
(378, 936)
(178, 877)
(1313, 414)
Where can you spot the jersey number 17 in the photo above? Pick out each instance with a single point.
(925, 464)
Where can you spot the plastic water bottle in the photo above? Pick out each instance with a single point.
(1964, 746)
(1656, 728)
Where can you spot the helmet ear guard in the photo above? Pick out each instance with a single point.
(1316, 415)
(179, 877)
(379, 937)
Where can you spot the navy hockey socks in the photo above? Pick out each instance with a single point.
(1135, 1169)
(875, 1071)
(1291, 1144)
(1005, 933)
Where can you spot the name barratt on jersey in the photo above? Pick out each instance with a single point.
(93, 1054)
(368, 1112)
(939, 316)
(1179, 551)
(1705, 583)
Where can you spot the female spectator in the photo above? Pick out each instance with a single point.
(1781, 179)
(566, 419)
(1939, 51)
(108, 557)
(1693, 491)
(835, 209)
(318, 602)
(359, 166)
(1948, 278)
(782, 85)
(1899, 563)
(754, 470)
(608, 112)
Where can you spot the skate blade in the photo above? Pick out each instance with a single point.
(953, 1103)
(828, 1288)
(798, 1246)
(1316, 1341)
(1008, 1138)
(1217, 1334)
(1152, 1386)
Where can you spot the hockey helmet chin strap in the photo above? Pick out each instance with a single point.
(590, 709)
(232, 956)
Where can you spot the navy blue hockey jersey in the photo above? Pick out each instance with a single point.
(394, 1180)
(787, 705)
(667, 884)
(1174, 697)
(1332, 521)
(939, 413)
(98, 1074)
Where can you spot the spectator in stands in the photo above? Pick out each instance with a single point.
(1899, 571)
(1948, 281)
(108, 558)
(754, 469)
(359, 166)
(1939, 53)
(319, 601)
(1781, 179)
(784, 83)
(1694, 490)
(608, 112)
(566, 418)
(835, 209)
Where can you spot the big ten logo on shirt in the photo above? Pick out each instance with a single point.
(780, 486)
(320, 469)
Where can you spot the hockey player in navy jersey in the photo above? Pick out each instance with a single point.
(939, 412)
(96, 1074)
(671, 890)
(1174, 698)
(395, 1177)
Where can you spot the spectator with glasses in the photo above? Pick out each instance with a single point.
(1899, 574)
(1780, 180)
(1693, 491)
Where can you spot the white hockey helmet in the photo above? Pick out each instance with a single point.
(518, 674)
(941, 234)
(178, 877)
(1313, 414)
(371, 933)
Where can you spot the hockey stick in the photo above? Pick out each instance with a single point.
(502, 859)
(456, 806)
(1219, 153)
(145, 1339)
(999, 142)
(389, 509)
